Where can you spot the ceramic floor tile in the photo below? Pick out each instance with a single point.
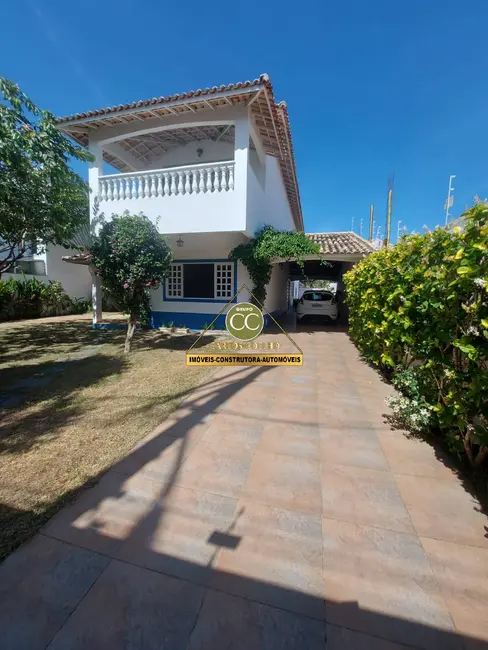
(105, 515)
(297, 440)
(380, 582)
(40, 585)
(409, 455)
(130, 607)
(278, 560)
(340, 638)
(462, 573)
(231, 623)
(363, 496)
(221, 469)
(284, 482)
(183, 534)
(345, 445)
(443, 510)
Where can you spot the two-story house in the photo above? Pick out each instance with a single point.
(209, 168)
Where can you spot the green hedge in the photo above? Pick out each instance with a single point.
(30, 298)
(419, 310)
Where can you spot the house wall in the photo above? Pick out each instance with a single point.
(256, 196)
(268, 204)
(75, 279)
(191, 313)
(276, 295)
(187, 154)
(197, 213)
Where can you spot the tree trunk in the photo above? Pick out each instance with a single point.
(131, 328)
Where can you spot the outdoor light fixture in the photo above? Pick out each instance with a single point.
(199, 152)
(180, 242)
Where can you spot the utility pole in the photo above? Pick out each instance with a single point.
(361, 227)
(371, 221)
(398, 230)
(352, 225)
(389, 209)
(450, 199)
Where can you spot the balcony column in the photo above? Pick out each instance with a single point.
(95, 170)
(241, 158)
(96, 296)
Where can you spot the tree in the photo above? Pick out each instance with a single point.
(131, 257)
(268, 244)
(41, 198)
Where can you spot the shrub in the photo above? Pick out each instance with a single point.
(34, 299)
(422, 305)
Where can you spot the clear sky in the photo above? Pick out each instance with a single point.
(372, 87)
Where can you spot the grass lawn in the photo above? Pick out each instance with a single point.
(76, 416)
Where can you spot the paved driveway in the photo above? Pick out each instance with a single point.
(275, 510)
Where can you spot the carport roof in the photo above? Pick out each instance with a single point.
(341, 243)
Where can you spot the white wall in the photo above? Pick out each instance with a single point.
(187, 154)
(206, 246)
(276, 290)
(256, 198)
(206, 212)
(75, 278)
(268, 207)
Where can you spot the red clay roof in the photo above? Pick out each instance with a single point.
(260, 81)
(341, 243)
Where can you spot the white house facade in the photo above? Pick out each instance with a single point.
(209, 168)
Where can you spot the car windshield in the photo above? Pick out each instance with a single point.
(317, 296)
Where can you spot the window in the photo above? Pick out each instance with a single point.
(318, 296)
(175, 281)
(201, 280)
(30, 267)
(198, 281)
(224, 277)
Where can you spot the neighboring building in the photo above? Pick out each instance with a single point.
(209, 168)
(46, 264)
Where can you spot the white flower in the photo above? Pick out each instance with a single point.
(480, 282)
(472, 330)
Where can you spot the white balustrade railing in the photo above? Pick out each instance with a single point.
(190, 179)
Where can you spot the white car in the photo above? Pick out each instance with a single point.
(318, 303)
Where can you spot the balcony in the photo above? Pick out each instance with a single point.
(190, 198)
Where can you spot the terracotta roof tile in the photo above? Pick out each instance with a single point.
(341, 243)
(260, 81)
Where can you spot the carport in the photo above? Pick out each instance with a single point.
(341, 250)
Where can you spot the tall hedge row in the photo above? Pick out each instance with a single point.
(420, 311)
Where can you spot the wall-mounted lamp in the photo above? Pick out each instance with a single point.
(199, 152)
(180, 242)
(281, 265)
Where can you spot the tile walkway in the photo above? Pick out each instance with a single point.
(274, 510)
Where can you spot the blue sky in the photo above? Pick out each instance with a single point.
(372, 87)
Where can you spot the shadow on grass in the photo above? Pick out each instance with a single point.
(59, 380)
